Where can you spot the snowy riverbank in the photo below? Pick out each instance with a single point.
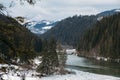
(72, 60)
(80, 75)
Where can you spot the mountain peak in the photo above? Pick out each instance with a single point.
(108, 12)
(40, 27)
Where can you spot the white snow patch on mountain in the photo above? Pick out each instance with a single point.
(99, 18)
(47, 27)
(39, 27)
(118, 10)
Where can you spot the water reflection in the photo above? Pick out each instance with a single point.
(90, 65)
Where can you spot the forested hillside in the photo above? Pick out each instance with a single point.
(103, 39)
(69, 30)
(16, 41)
(20, 47)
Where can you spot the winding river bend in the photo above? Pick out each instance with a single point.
(93, 66)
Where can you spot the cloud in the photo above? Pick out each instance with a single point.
(59, 9)
(66, 8)
(78, 2)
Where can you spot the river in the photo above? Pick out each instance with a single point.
(93, 66)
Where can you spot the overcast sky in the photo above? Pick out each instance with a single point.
(60, 9)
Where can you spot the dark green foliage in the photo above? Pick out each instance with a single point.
(62, 57)
(104, 38)
(49, 58)
(16, 41)
(37, 45)
(69, 30)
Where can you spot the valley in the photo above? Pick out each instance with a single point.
(58, 40)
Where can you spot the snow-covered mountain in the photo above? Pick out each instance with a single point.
(27, 15)
(36, 26)
(40, 27)
(31, 16)
(108, 12)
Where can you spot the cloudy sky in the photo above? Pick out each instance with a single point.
(59, 9)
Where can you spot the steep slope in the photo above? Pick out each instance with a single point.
(103, 39)
(36, 26)
(70, 30)
(108, 13)
(16, 41)
(33, 22)
(40, 27)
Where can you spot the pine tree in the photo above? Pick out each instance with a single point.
(49, 58)
(62, 57)
(17, 41)
(104, 37)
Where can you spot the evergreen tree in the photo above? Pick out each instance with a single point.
(49, 58)
(103, 38)
(16, 41)
(69, 30)
(62, 57)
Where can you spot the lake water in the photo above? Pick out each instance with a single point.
(93, 66)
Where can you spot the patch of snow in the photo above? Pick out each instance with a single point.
(98, 58)
(70, 51)
(31, 25)
(47, 27)
(105, 59)
(6, 65)
(80, 75)
(33, 75)
(99, 18)
(3, 12)
(102, 58)
(37, 60)
(117, 10)
(46, 21)
(3, 65)
(37, 31)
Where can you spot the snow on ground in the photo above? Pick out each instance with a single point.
(37, 60)
(33, 75)
(70, 51)
(80, 75)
